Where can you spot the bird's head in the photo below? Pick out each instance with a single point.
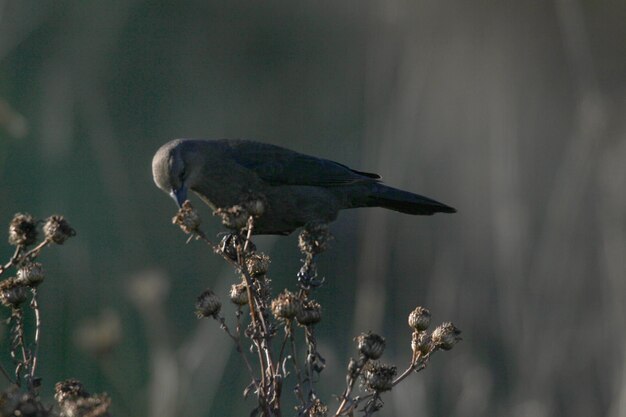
(174, 169)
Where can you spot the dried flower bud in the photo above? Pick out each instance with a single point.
(12, 292)
(310, 312)
(74, 401)
(31, 274)
(379, 377)
(239, 294)
(208, 304)
(69, 390)
(314, 238)
(286, 305)
(421, 342)
(235, 217)
(258, 264)
(187, 218)
(96, 405)
(22, 230)
(370, 345)
(419, 319)
(57, 229)
(318, 409)
(446, 336)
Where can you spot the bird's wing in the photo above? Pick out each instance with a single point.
(278, 166)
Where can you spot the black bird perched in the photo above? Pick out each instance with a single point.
(297, 189)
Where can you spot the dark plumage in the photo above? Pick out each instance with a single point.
(297, 188)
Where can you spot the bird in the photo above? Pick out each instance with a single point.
(296, 189)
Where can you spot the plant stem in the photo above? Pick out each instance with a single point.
(35, 306)
(12, 261)
(34, 252)
(351, 381)
(239, 348)
(294, 358)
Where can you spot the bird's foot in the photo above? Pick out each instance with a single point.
(233, 243)
(307, 276)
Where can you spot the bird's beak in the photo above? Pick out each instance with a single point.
(179, 195)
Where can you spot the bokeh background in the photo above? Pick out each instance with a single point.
(514, 112)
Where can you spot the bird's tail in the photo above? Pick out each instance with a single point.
(404, 201)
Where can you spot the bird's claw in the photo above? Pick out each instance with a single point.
(228, 247)
(231, 242)
(307, 276)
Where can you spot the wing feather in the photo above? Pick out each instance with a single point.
(280, 166)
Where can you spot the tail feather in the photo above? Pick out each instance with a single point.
(405, 202)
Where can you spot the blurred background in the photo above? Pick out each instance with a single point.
(513, 112)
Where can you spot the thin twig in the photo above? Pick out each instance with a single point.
(265, 342)
(418, 365)
(294, 357)
(261, 346)
(249, 234)
(311, 352)
(34, 252)
(18, 342)
(12, 261)
(35, 306)
(240, 268)
(284, 343)
(350, 385)
(256, 315)
(241, 261)
(239, 348)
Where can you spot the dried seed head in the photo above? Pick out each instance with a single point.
(208, 304)
(421, 342)
(258, 264)
(74, 401)
(96, 405)
(31, 274)
(57, 229)
(310, 312)
(22, 230)
(419, 319)
(379, 377)
(446, 336)
(314, 238)
(239, 294)
(13, 292)
(318, 409)
(187, 218)
(371, 345)
(235, 217)
(69, 390)
(286, 305)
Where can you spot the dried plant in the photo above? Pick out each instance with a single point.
(19, 294)
(291, 317)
